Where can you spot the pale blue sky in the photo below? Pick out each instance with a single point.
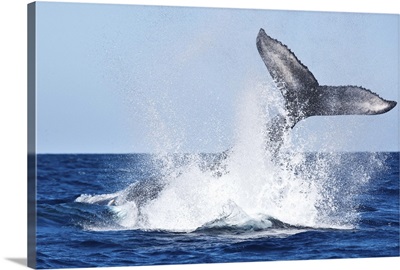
(106, 72)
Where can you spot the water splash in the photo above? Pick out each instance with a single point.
(252, 187)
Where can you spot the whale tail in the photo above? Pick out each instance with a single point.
(303, 95)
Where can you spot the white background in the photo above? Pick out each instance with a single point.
(13, 127)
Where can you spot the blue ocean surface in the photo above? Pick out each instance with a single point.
(343, 207)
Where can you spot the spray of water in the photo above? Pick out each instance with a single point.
(251, 188)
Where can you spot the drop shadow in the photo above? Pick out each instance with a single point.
(20, 261)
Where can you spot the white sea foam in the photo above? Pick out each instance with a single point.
(316, 191)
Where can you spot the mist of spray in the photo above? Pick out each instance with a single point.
(256, 188)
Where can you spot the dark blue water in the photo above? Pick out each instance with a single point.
(64, 240)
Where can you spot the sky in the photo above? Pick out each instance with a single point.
(128, 78)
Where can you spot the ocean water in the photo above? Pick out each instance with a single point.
(312, 206)
(260, 200)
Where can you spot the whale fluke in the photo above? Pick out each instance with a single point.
(303, 95)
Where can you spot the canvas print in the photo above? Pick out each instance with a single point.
(174, 135)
